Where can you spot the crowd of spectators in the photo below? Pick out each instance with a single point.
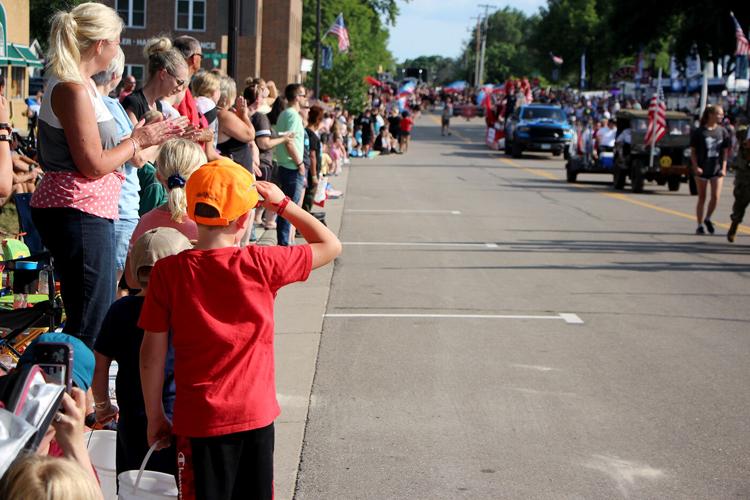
(111, 195)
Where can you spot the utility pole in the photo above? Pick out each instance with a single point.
(486, 8)
(477, 36)
(234, 39)
(317, 50)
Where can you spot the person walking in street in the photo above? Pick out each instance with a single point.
(741, 182)
(289, 155)
(445, 123)
(709, 146)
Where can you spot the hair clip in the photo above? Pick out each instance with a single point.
(175, 181)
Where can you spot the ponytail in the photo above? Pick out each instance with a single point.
(73, 33)
(175, 163)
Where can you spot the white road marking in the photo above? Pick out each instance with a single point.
(535, 367)
(567, 317)
(400, 211)
(417, 244)
(623, 472)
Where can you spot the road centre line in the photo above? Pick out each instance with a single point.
(570, 318)
(419, 244)
(401, 211)
(619, 196)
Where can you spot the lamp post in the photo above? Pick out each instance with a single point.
(317, 49)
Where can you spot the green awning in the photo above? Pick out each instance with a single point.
(20, 55)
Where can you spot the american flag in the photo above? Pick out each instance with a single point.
(338, 28)
(743, 47)
(657, 118)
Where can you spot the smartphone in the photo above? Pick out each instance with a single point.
(56, 361)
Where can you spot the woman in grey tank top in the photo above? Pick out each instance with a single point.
(76, 203)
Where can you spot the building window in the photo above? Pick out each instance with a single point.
(135, 70)
(132, 12)
(17, 81)
(191, 15)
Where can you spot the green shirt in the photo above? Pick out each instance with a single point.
(153, 194)
(290, 121)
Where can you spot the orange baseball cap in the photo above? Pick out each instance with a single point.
(224, 185)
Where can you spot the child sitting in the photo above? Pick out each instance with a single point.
(217, 301)
(120, 340)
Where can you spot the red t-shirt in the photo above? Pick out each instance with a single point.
(187, 108)
(406, 124)
(219, 307)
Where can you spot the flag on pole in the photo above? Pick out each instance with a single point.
(338, 28)
(743, 47)
(657, 117)
(556, 59)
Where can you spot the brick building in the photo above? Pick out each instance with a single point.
(17, 61)
(270, 34)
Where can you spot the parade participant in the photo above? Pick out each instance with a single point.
(741, 181)
(289, 155)
(445, 122)
(217, 301)
(75, 204)
(709, 146)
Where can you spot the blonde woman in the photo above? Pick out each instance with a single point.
(75, 205)
(167, 75)
(176, 162)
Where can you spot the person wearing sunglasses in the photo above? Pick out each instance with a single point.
(167, 75)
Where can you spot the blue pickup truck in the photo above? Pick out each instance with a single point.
(537, 127)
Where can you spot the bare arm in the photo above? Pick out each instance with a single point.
(100, 389)
(72, 105)
(324, 244)
(6, 163)
(153, 358)
(266, 142)
(230, 124)
(694, 162)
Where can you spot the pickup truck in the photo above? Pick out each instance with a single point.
(537, 127)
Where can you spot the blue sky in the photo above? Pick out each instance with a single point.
(427, 27)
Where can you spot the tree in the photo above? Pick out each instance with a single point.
(41, 12)
(368, 50)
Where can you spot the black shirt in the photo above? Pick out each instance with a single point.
(709, 148)
(366, 123)
(120, 339)
(262, 126)
(314, 147)
(394, 125)
(137, 103)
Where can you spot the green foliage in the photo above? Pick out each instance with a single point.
(368, 50)
(41, 14)
(440, 70)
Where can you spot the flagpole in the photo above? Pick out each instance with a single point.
(653, 126)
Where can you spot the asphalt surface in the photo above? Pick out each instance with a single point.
(646, 398)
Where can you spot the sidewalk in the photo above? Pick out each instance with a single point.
(299, 324)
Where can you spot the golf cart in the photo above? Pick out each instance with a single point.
(671, 163)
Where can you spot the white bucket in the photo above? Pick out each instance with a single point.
(102, 446)
(147, 485)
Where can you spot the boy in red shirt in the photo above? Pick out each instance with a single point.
(217, 302)
(406, 125)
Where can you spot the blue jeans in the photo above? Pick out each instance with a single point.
(83, 249)
(123, 231)
(292, 184)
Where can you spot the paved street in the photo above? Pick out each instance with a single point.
(429, 385)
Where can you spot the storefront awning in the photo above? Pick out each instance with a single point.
(20, 55)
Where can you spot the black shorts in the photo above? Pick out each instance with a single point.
(446, 122)
(404, 133)
(236, 466)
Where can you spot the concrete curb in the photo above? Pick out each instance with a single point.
(299, 314)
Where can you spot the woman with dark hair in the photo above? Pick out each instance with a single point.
(709, 147)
